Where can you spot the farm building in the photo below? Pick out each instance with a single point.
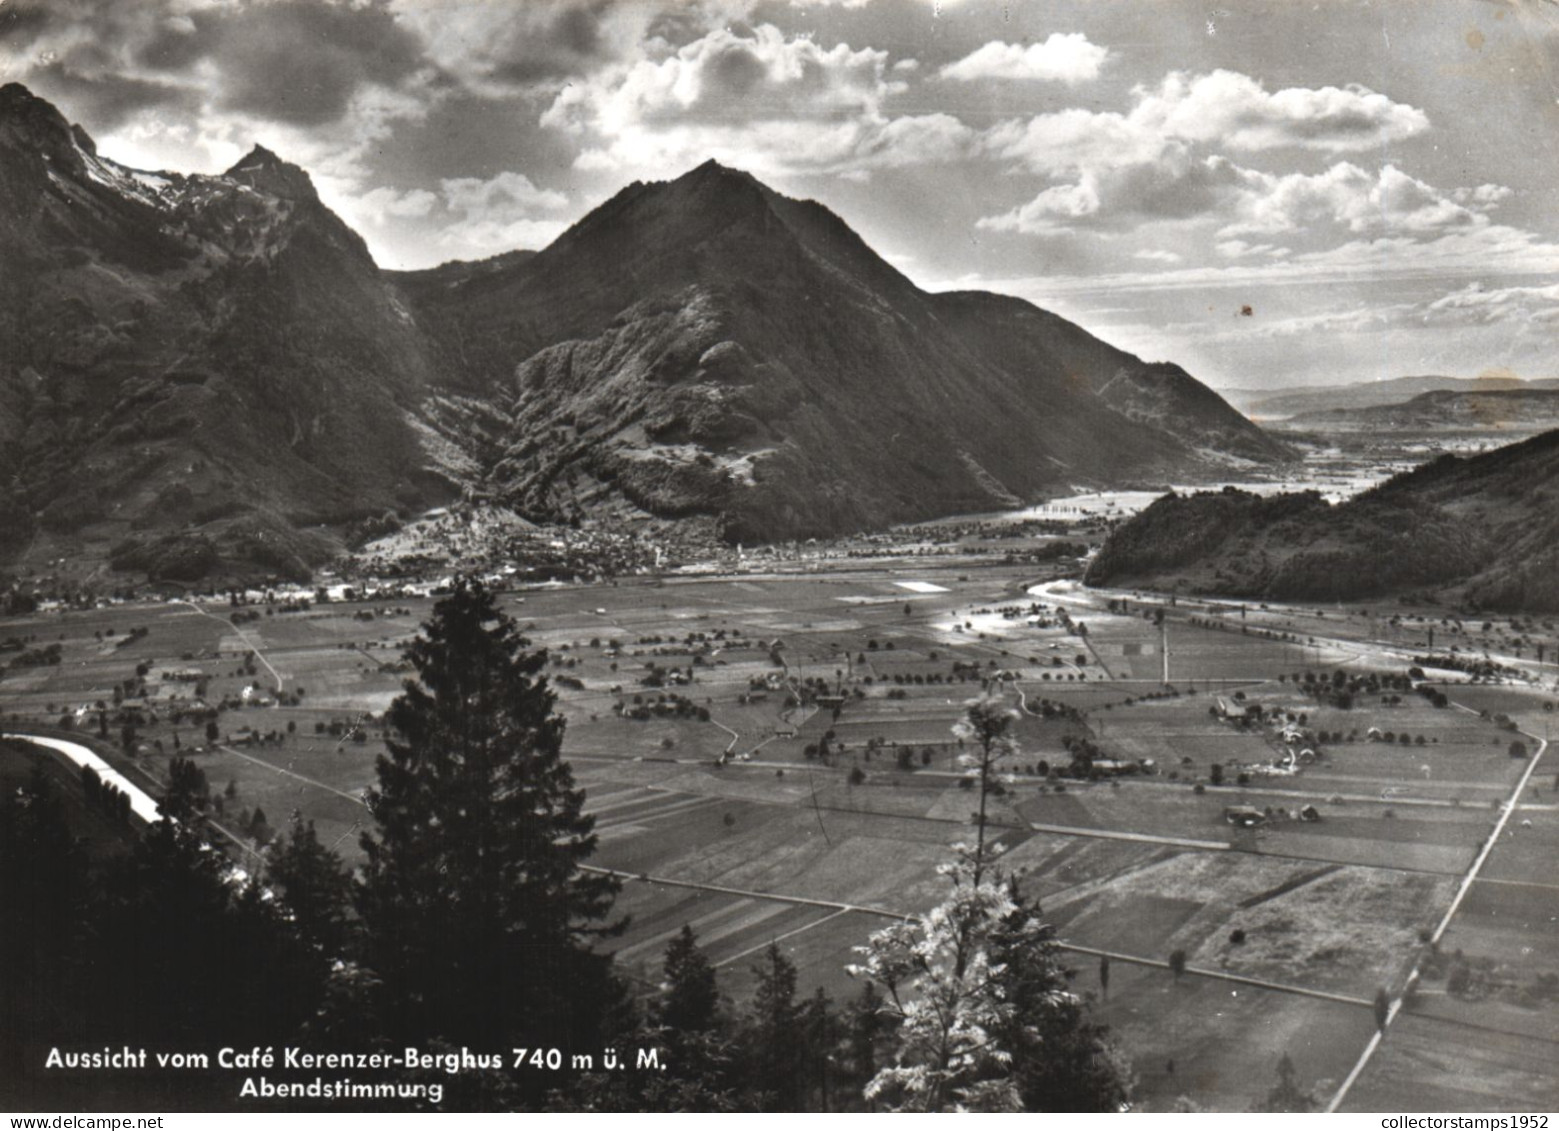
(1244, 816)
(1227, 709)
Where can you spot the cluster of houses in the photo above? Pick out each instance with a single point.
(1248, 816)
(1296, 751)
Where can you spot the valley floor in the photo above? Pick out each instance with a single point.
(717, 807)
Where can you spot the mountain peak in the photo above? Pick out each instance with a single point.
(258, 157)
(35, 118)
(712, 170)
(14, 96)
(263, 170)
(713, 188)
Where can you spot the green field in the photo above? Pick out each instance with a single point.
(776, 844)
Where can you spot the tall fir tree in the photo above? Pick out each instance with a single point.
(478, 919)
(314, 887)
(773, 1037)
(691, 996)
(1287, 1095)
(869, 1030)
(1062, 1061)
(819, 1047)
(45, 887)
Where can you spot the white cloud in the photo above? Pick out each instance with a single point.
(1475, 305)
(768, 103)
(508, 192)
(1484, 198)
(384, 204)
(1471, 306)
(478, 239)
(1347, 196)
(501, 49)
(1154, 162)
(1239, 249)
(1229, 109)
(504, 212)
(1065, 57)
(1156, 255)
(1237, 112)
(725, 76)
(1174, 185)
(1069, 141)
(1467, 251)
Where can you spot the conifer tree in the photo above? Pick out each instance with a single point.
(691, 995)
(773, 1033)
(44, 881)
(1061, 1060)
(313, 886)
(819, 1032)
(478, 919)
(1287, 1095)
(868, 1030)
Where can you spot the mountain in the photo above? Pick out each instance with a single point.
(1533, 407)
(708, 346)
(1264, 404)
(208, 376)
(196, 372)
(1483, 529)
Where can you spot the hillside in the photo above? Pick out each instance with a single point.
(208, 376)
(1265, 403)
(1524, 409)
(194, 371)
(1483, 529)
(709, 346)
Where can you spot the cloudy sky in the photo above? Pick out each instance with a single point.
(1374, 179)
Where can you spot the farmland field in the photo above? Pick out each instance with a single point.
(771, 757)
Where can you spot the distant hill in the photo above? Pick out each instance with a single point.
(1528, 409)
(1264, 403)
(1484, 528)
(208, 376)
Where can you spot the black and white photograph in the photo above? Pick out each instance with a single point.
(722, 556)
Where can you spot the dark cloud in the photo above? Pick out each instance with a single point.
(106, 101)
(301, 61)
(681, 24)
(294, 61)
(553, 40)
(579, 30)
(176, 46)
(736, 72)
(22, 21)
(466, 135)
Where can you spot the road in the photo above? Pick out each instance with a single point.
(1450, 912)
(233, 628)
(1379, 653)
(291, 773)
